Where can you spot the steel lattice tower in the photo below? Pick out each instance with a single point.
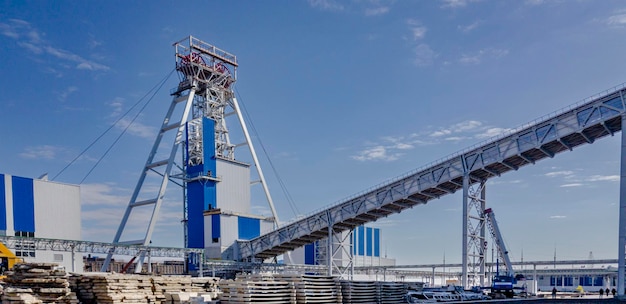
(203, 99)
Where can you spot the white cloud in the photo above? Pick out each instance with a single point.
(440, 133)
(117, 104)
(481, 55)
(468, 28)
(136, 128)
(463, 126)
(492, 132)
(455, 138)
(390, 148)
(558, 216)
(376, 11)
(41, 152)
(604, 178)
(617, 20)
(103, 195)
(63, 95)
(456, 3)
(32, 41)
(571, 185)
(327, 5)
(418, 32)
(468, 125)
(403, 146)
(31, 47)
(559, 173)
(376, 153)
(424, 55)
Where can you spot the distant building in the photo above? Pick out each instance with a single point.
(366, 250)
(38, 208)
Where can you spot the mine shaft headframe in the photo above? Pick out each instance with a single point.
(198, 60)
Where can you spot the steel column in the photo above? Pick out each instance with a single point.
(483, 201)
(621, 253)
(329, 249)
(465, 222)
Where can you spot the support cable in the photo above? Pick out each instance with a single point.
(127, 126)
(282, 184)
(157, 87)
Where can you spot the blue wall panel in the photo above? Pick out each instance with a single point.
(23, 204)
(216, 233)
(376, 242)
(195, 218)
(368, 242)
(201, 194)
(249, 228)
(361, 240)
(309, 254)
(3, 204)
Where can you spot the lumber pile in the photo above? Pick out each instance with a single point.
(256, 288)
(316, 289)
(112, 288)
(361, 292)
(38, 283)
(391, 292)
(181, 289)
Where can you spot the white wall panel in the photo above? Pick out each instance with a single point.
(8, 185)
(233, 191)
(230, 230)
(57, 210)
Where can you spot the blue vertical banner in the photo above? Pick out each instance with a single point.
(23, 204)
(216, 232)
(309, 254)
(361, 240)
(368, 243)
(3, 204)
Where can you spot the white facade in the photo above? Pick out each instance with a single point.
(233, 189)
(41, 209)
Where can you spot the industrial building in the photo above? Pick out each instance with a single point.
(38, 208)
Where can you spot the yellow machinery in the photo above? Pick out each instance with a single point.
(7, 259)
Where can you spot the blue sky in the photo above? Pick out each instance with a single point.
(343, 95)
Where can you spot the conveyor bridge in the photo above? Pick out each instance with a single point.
(579, 124)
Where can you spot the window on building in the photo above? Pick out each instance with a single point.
(57, 257)
(25, 247)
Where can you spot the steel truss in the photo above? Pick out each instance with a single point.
(97, 247)
(583, 123)
(474, 241)
(335, 252)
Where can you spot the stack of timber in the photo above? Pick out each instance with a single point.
(32, 283)
(168, 289)
(363, 292)
(315, 288)
(112, 288)
(391, 292)
(255, 288)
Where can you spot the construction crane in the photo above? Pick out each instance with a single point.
(502, 283)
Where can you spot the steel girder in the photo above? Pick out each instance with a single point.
(582, 123)
(98, 247)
